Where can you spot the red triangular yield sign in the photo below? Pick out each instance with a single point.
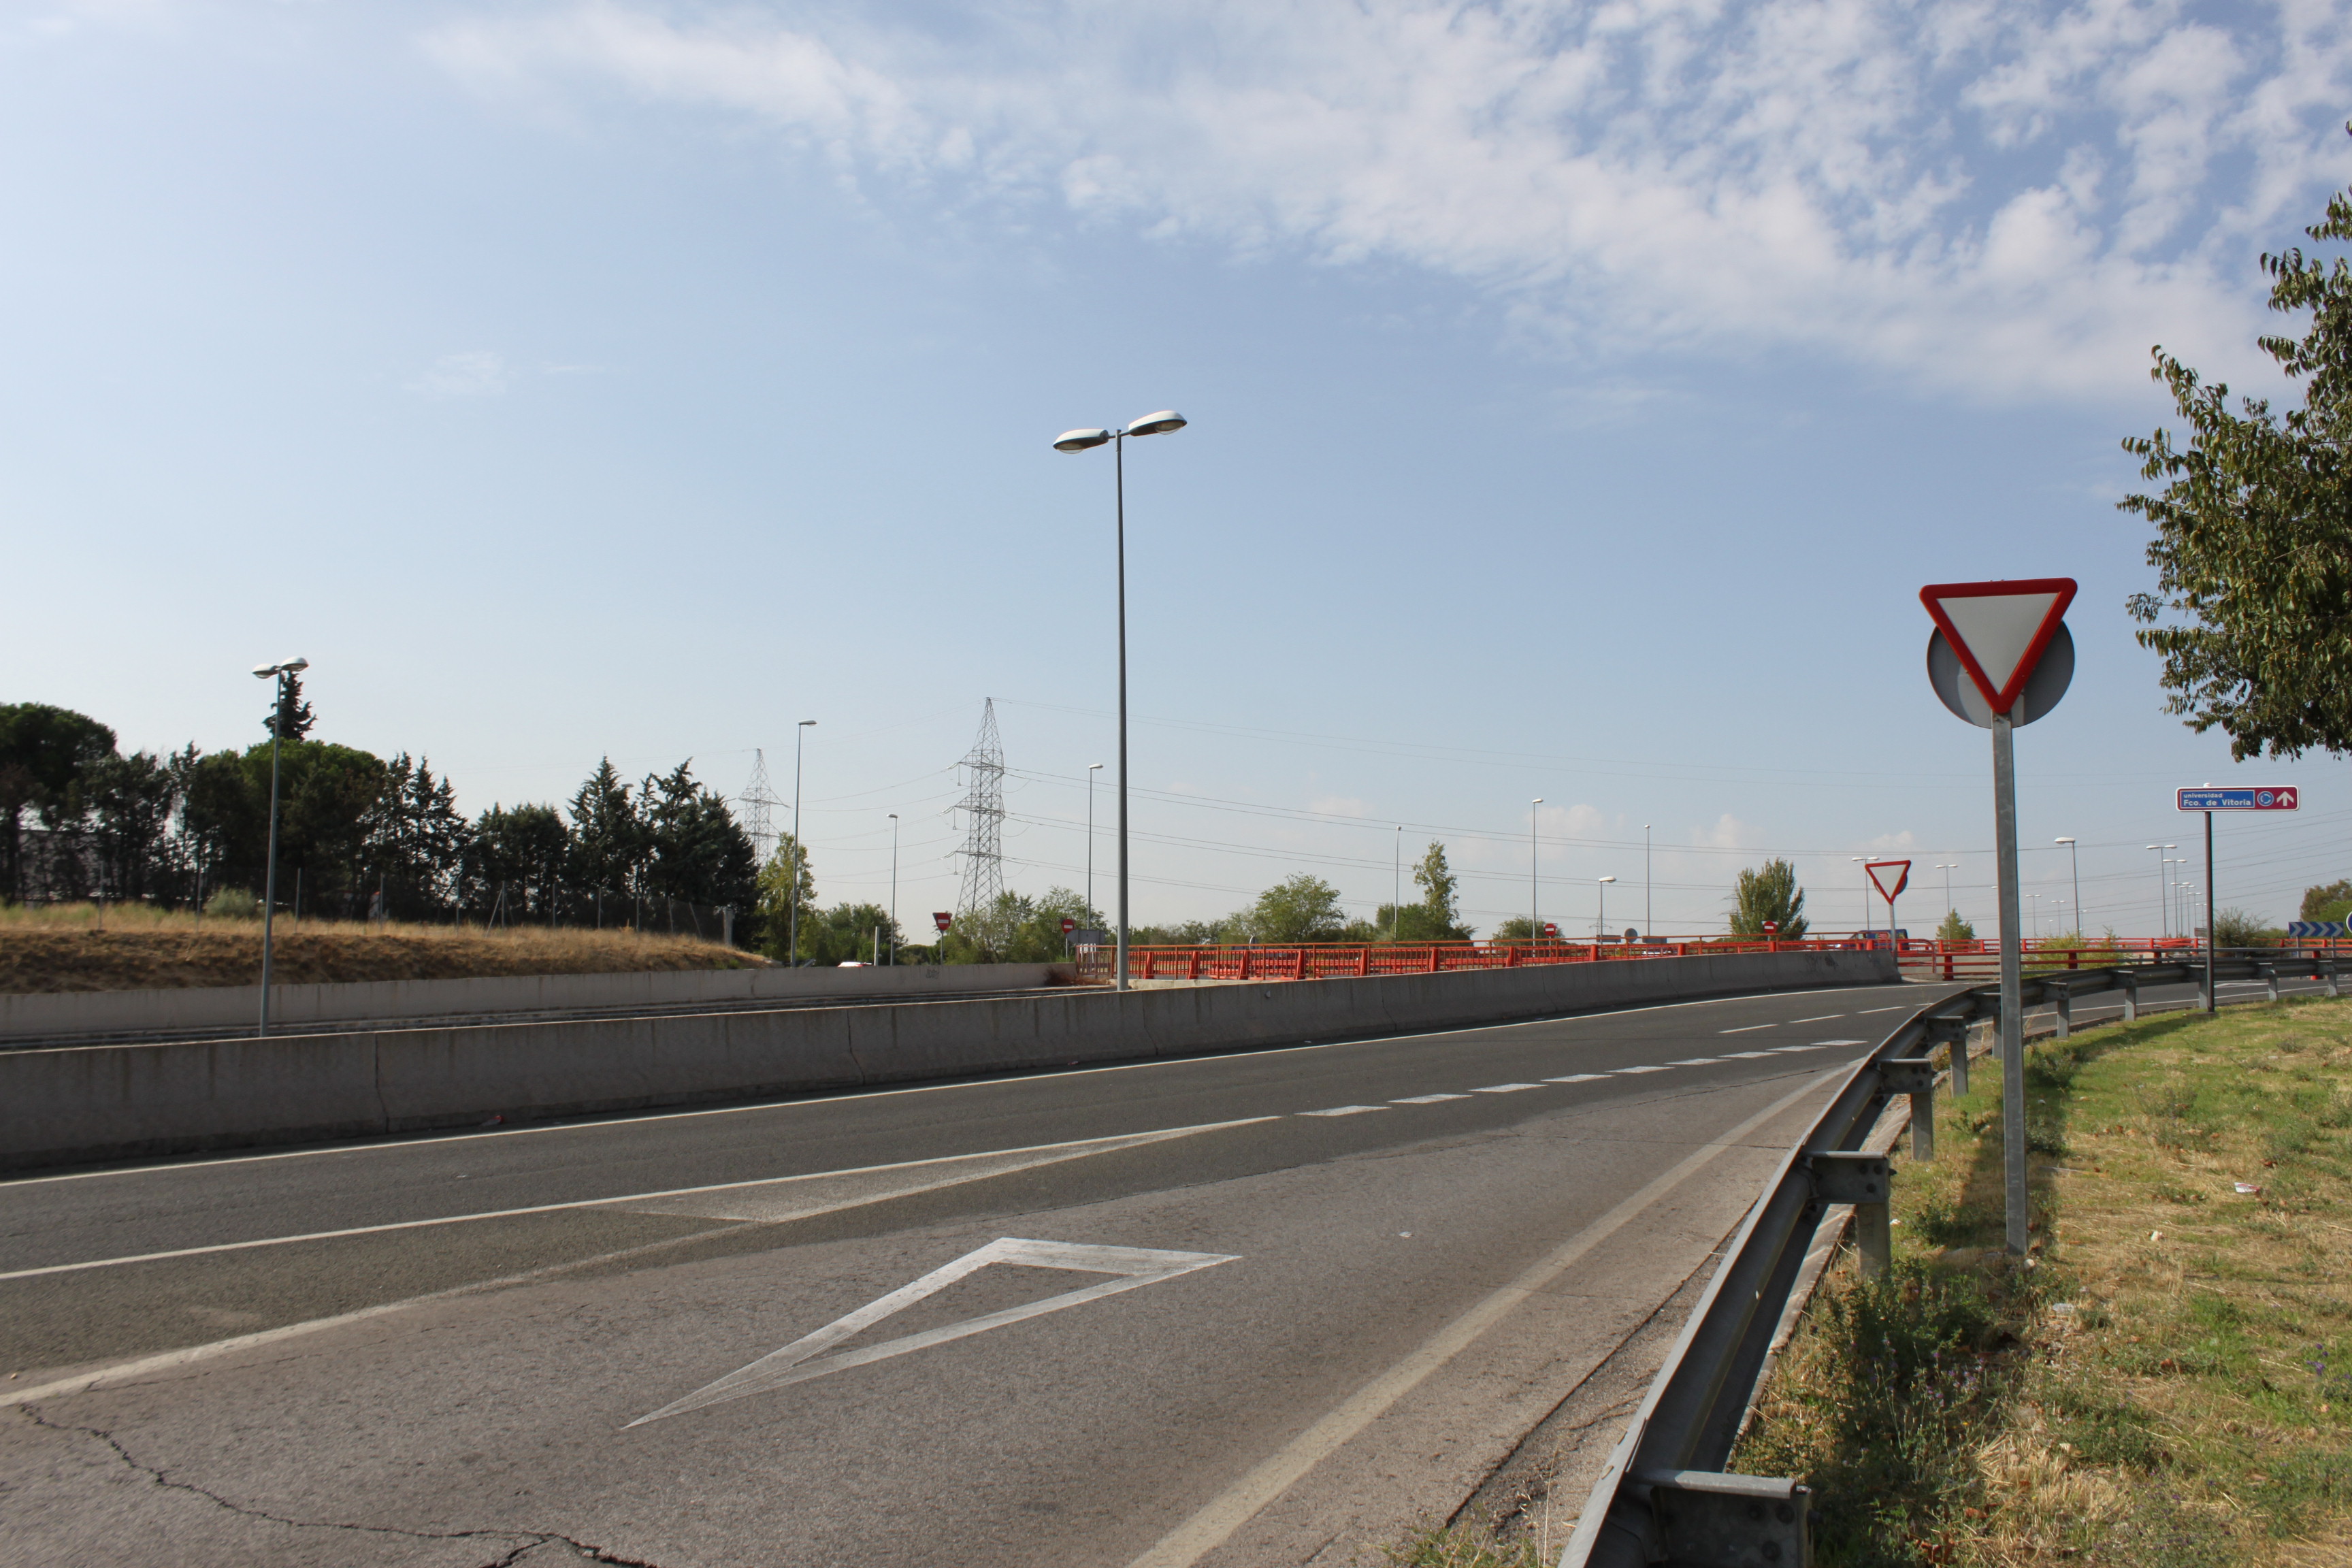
(1999, 629)
(1900, 870)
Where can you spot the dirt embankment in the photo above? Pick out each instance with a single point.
(44, 958)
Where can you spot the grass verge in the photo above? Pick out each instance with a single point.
(2167, 1380)
(130, 948)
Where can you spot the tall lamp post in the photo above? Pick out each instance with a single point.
(1947, 868)
(1092, 769)
(2075, 864)
(1534, 915)
(280, 672)
(1601, 920)
(894, 889)
(2163, 894)
(1864, 860)
(1161, 422)
(1649, 919)
(1396, 887)
(800, 854)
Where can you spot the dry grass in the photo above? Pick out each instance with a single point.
(2168, 1383)
(129, 947)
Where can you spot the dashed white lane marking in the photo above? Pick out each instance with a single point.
(1505, 1088)
(863, 1184)
(1746, 1028)
(1819, 1044)
(1822, 1018)
(1695, 1062)
(1641, 1069)
(805, 1358)
(1899, 1008)
(1427, 1098)
(1344, 1110)
(1745, 1056)
(1577, 1078)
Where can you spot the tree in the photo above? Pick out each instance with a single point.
(694, 849)
(784, 881)
(132, 799)
(1770, 893)
(844, 933)
(1018, 929)
(47, 755)
(1304, 908)
(514, 862)
(1437, 917)
(2253, 528)
(608, 842)
(289, 717)
(327, 796)
(2328, 901)
(416, 840)
(1955, 929)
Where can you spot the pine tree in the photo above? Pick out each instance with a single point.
(290, 717)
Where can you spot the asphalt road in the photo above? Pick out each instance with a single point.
(1253, 1308)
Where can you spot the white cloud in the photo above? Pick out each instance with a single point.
(2012, 200)
(477, 373)
(1894, 843)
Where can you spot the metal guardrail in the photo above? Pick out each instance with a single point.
(1664, 1497)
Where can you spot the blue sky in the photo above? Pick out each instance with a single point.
(1580, 394)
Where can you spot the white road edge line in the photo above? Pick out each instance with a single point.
(1076, 1144)
(596, 1123)
(1210, 1526)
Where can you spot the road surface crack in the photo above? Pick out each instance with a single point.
(521, 1542)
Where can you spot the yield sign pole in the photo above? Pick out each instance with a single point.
(2000, 630)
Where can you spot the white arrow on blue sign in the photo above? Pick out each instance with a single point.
(2234, 799)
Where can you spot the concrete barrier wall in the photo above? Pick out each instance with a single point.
(74, 1103)
(206, 1009)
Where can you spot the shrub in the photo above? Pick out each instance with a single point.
(232, 904)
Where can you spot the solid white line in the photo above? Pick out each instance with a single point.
(1210, 1527)
(1427, 1098)
(1344, 1110)
(594, 1124)
(1123, 1139)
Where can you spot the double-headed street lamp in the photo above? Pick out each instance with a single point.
(2163, 893)
(1535, 918)
(281, 672)
(894, 889)
(1092, 769)
(1947, 868)
(1159, 424)
(1600, 921)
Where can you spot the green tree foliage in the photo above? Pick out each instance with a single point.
(2253, 541)
(290, 716)
(1438, 917)
(785, 881)
(47, 755)
(1018, 929)
(1768, 893)
(514, 864)
(608, 842)
(1955, 929)
(844, 933)
(2236, 928)
(1304, 908)
(326, 795)
(132, 801)
(415, 842)
(694, 849)
(2328, 901)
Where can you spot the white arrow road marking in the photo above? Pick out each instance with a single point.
(804, 1358)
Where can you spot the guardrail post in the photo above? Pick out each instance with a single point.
(1706, 1515)
(2327, 972)
(2269, 972)
(1866, 1180)
(2064, 993)
(2128, 983)
(1954, 1033)
(1914, 1076)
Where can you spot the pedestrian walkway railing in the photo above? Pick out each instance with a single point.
(1922, 959)
(1664, 1497)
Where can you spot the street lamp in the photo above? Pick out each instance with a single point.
(1649, 920)
(1600, 921)
(1948, 869)
(800, 855)
(2163, 894)
(1092, 769)
(2073, 860)
(894, 889)
(1535, 913)
(1396, 887)
(1864, 860)
(280, 672)
(1167, 420)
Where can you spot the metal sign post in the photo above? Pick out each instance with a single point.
(2210, 800)
(2001, 656)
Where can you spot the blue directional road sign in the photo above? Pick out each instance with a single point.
(2317, 928)
(2256, 799)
